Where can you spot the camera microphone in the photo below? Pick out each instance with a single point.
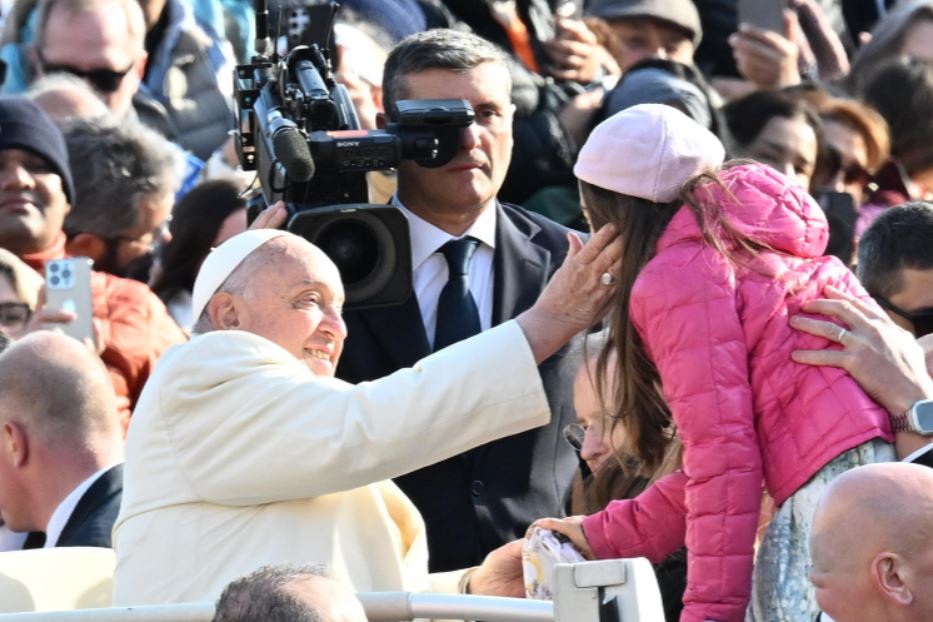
(290, 147)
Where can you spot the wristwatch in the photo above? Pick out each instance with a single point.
(918, 418)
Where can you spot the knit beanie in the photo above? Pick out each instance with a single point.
(23, 125)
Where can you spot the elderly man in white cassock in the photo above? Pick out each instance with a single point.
(244, 450)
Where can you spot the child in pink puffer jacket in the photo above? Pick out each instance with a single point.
(716, 260)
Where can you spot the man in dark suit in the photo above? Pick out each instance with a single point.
(61, 443)
(476, 263)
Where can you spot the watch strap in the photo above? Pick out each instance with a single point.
(901, 422)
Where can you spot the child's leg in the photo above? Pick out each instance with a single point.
(781, 590)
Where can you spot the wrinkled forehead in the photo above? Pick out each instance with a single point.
(294, 260)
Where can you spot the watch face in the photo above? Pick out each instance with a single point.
(924, 412)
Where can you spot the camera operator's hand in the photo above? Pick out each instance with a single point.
(578, 294)
(271, 218)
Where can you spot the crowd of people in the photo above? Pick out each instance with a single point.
(671, 298)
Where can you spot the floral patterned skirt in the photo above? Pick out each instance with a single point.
(781, 591)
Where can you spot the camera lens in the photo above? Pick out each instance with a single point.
(352, 245)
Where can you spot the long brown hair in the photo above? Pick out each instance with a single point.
(636, 398)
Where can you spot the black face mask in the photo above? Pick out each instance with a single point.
(137, 269)
(921, 319)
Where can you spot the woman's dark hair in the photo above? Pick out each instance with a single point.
(901, 90)
(748, 115)
(636, 398)
(196, 219)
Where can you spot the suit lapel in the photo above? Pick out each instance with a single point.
(108, 484)
(400, 331)
(521, 266)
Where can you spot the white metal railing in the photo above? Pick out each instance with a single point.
(617, 590)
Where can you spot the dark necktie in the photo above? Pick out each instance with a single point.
(457, 316)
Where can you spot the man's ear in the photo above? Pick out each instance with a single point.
(14, 445)
(893, 577)
(381, 119)
(141, 64)
(87, 245)
(224, 312)
(376, 93)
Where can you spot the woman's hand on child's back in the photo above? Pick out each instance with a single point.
(571, 527)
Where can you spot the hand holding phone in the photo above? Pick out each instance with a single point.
(763, 14)
(68, 291)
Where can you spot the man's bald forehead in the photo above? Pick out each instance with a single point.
(889, 504)
(44, 346)
(273, 251)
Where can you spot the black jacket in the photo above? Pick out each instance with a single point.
(92, 520)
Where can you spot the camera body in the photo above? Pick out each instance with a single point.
(296, 126)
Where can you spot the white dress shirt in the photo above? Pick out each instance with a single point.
(430, 273)
(63, 512)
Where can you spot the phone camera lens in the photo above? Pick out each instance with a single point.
(55, 280)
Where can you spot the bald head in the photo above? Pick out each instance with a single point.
(872, 543)
(57, 389)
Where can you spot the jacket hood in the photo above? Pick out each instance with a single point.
(760, 204)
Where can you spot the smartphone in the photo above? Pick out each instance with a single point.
(68, 288)
(569, 9)
(764, 14)
(841, 214)
(923, 456)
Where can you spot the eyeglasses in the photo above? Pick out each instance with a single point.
(851, 173)
(922, 320)
(156, 236)
(103, 80)
(573, 434)
(14, 315)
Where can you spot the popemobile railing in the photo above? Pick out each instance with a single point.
(619, 590)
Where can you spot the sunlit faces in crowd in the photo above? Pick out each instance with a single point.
(637, 39)
(33, 205)
(778, 130)
(102, 43)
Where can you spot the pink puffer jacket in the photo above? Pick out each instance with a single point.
(745, 412)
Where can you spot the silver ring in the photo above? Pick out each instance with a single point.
(841, 334)
(607, 279)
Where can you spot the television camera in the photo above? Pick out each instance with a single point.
(296, 126)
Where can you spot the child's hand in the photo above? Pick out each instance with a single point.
(571, 527)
